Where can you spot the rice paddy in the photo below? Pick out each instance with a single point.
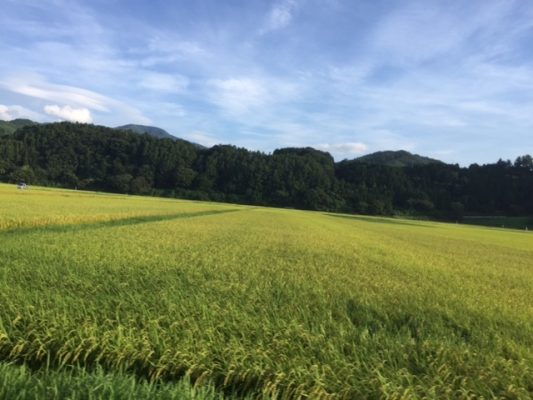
(159, 297)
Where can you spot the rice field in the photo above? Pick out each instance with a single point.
(115, 296)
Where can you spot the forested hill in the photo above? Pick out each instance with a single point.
(399, 158)
(9, 127)
(149, 130)
(100, 158)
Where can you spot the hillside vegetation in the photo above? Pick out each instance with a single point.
(9, 127)
(100, 158)
(265, 302)
(400, 158)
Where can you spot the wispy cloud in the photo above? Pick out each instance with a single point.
(74, 97)
(202, 138)
(384, 139)
(162, 49)
(421, 30)
(237, 95)
(164, 82)
(60, 93)
(280, 15)
(173, 109)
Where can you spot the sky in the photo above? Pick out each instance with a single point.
(447, 79)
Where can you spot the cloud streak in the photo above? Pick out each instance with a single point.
(60, 93)
(34, 86)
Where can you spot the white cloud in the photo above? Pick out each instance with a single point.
(68, 113)
(164, 82)
(8, 113)
(280, 16)
(34, 86)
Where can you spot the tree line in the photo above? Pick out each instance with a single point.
(100, 158)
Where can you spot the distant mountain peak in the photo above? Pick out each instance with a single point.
(155, 132)
(399, 158)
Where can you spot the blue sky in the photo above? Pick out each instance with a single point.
(449, 79)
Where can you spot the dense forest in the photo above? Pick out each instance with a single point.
(100, 158)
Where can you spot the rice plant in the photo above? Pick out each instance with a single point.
(261, 302)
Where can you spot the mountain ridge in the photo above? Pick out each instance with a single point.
(10, 127)
(150, 130)
(399, 158)
(154, 131)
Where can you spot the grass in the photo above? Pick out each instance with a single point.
(261, 302)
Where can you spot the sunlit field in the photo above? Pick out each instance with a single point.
(137, 297)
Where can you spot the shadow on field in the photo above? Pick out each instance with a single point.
(109, 224)
(377, 220)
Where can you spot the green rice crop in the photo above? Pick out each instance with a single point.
(20, 383)
(264, 302)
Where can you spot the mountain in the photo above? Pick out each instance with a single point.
(150, 130)
(8, 127)
(400, 158)
(155, 132)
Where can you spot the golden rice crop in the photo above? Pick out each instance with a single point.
(265, 302)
